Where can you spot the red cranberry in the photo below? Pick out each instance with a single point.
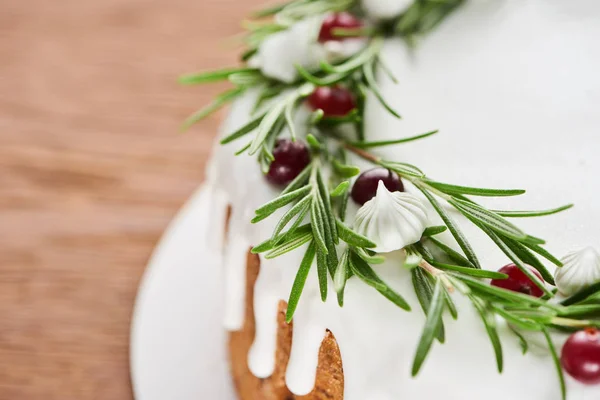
(365, 187)
(517, 281)
(335, 101)
(290, 159)
(581, 356)
(342, 20)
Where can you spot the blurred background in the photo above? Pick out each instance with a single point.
(92, 169)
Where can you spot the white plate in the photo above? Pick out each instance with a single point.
(177, 343)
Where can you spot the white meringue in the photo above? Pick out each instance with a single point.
(392, 220)
(385, 9)
(581, 268)
(278, 55)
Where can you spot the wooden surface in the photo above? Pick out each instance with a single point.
(92, 169)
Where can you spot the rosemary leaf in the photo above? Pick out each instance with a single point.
(275, 114)
(299, 181)
(316, 116)
(368, 71)
(317, 224)
(582, 295)
(557, 364)
(282, 238)
(489, 321)
(341, 276)
(313, 142)
(352, 116)
(330, 238)
(299, 282)
(451, 253)
(527, 214)
(474, 272)
(507, 295)
(485, 217)
(403, 169)
(219, 102)
(298, 208)
(434, 230)
(325, 200)
(325, 81)
(522, 323)
(358, 60)
(343, 170)
(465, 190)
(368, 145)
(249, 127)
(340, 189)
(451, 306)
(213, 76)
(364, 271)
(453, 227)
(322, 273)
(522, 341)
(343, 205)
(288, 246)
(284, 199)
(289, 118)
(424, 291)
(266, 126)
(431, 328)
(388, 71)
(583, 310)
(247, 78)
(544, 253)
(353, 238)
(368, 257)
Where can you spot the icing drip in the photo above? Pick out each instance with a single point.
(377, 340)
(307, 337)
(234, 264)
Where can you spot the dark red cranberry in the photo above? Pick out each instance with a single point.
(581, 356)
(335, 101)
(365, 187)
(342, 20)
(517, 281)
(290, 159)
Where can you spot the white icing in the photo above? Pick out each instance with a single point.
(385, 9)
(581, 268)
(234, 263)
(280, 52)
(391, 220)
(513, 86)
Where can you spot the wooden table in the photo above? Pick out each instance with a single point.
(92, 169)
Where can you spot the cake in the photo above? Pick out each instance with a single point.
(365, 256)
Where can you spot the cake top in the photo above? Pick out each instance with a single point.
(312, 65)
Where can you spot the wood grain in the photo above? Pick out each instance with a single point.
(91, 171)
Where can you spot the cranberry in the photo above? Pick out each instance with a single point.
(335, 101)
(365, 187)
(517, 281)
(342, 20)
(290, 159)
(581, 356)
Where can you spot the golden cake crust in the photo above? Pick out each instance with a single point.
(329, 383)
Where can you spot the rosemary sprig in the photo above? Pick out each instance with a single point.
(313, 206)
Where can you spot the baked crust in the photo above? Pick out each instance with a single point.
(329, 383)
